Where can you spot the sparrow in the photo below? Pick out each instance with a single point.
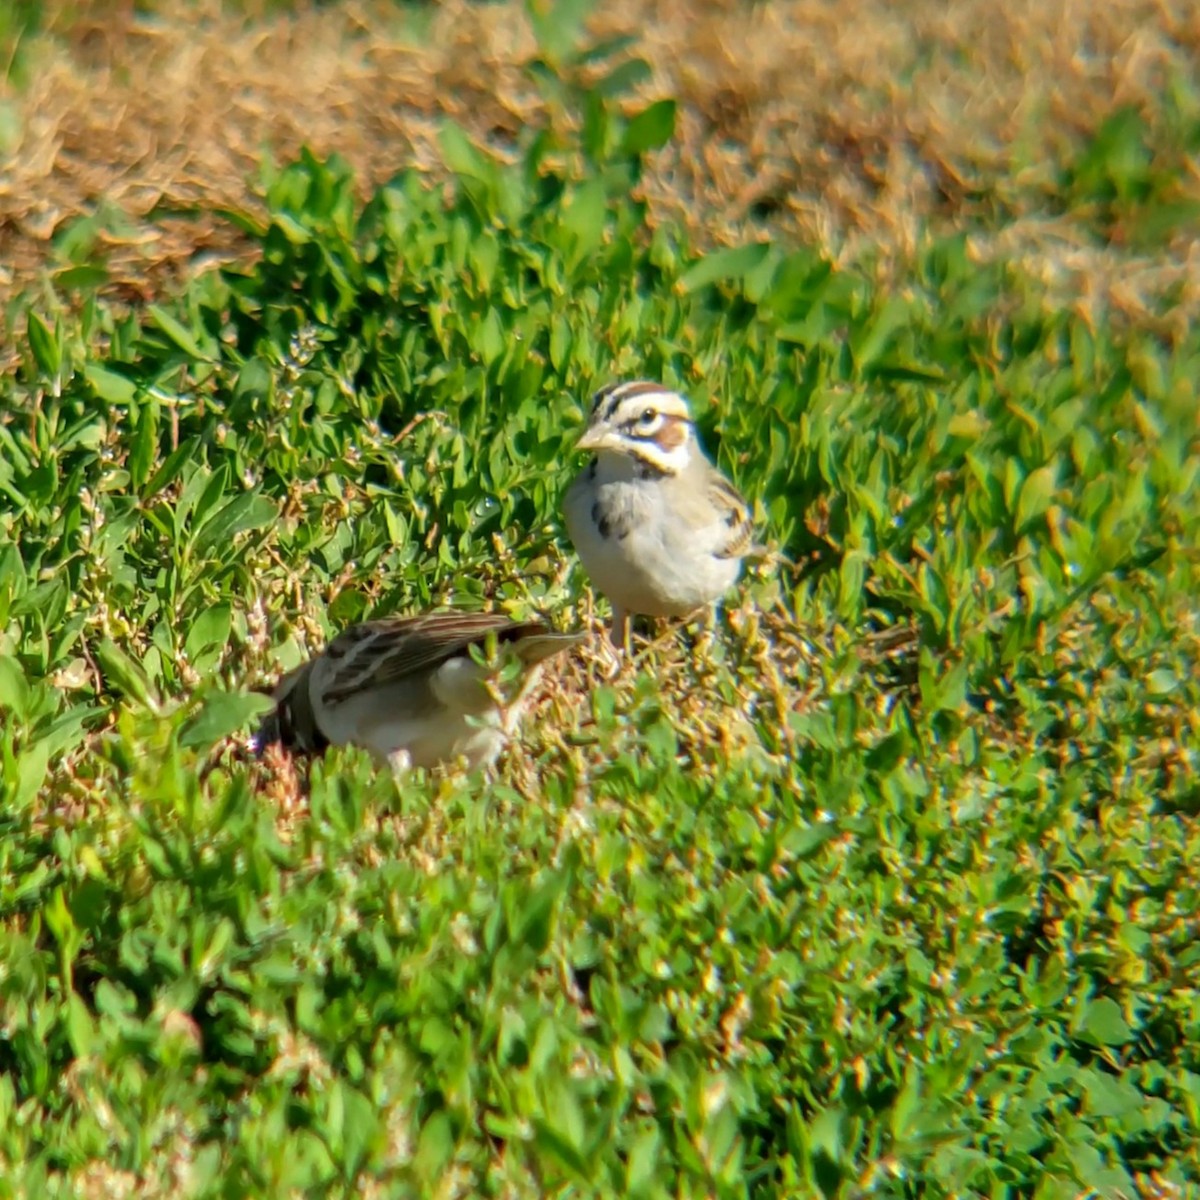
(658, 528)
(408, 690)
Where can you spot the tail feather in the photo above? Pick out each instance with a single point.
(537, 647)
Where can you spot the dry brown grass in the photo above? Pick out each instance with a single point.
(851, 124)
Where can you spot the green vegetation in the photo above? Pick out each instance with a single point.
(884, 888)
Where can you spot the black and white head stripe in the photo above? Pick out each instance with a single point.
(608, 400)
(645, 421)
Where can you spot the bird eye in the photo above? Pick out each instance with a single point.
(648, 417)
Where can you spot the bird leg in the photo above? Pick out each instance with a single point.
(619, 634)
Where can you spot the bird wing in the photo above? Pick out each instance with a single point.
(377, 653)
(735, 513)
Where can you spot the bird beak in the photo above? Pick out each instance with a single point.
(593, 439)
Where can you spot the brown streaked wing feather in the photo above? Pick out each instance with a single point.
(378, 653)
(736, 513)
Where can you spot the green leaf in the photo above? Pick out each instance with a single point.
(558, 26)
(248, 511)
(109, 385)
(359, 1127)
(79, 1026)
(463, 156)
(82, 278)
(642, 1164)
(732, 264)
(1102, 1023)
(1154, 224)
(1108, 1096)
(607, 48)
(172, 468)
(625, 77)
(560, 342)
(826, 1131)
(555, 1146)
(584, 216)
(293, 230)
(971, 425)
(223, 714)
(144, 444)
(891, 316)
(211, 495)
(209, 629)
(1161, 682)
(1117, 162)
(947, 693)
(66, 731)
(489, 338)
(651, 129)
(14, 690)
(44, 345)
(533, 923)
(121, 671)
(435, 1146)
(177, 332)
(1035, 495)
(254, 381)
(32, 765)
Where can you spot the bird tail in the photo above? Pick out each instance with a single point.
(534, 648)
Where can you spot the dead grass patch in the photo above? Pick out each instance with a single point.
(852, 125)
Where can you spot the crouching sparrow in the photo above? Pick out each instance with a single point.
(659, 529)
(408, 690)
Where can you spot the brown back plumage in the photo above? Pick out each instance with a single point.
(375, 654)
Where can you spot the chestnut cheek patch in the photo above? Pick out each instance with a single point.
(672, 435)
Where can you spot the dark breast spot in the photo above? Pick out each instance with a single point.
(610, 522)
(601, 521)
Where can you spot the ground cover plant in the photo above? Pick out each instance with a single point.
(882, 887)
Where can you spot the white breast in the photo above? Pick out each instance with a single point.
(409, 723)
(663, 566)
